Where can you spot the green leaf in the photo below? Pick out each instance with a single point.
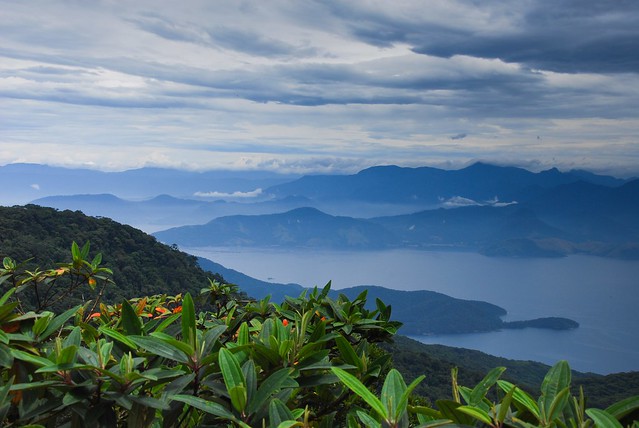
(187, 349)
(436, 423)
(41, 323)
(74, 337)
(8, 294)
(249, 371)
(243, 334)
(34, 385)
(403, 402)
(289, 424)
(188, 321)
(6, 358)
(151, 402)
(557, 379)
(116, 335)
(392, 391)
(269, 386)
(130, 321)
(558, 404)
(504, 406)
(623, 407)
(57, 322)
(96, 261)
(368, 420)
(358, 388)
(30, 358)
(603, 419)
(449, 409)
(481, 389)
(67, 355)
(233, 379)
(477, 413)
(208, 407)
(167, 322)
(210, 337)
(160, 348)
(84, 252)
(521, 397)
(278, 412)
(176, 386)
(348, 354)
(4, 403)
(64, 367)
(75, 251)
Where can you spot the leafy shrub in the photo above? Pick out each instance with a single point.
(157, 361)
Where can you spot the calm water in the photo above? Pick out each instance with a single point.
(601, 294)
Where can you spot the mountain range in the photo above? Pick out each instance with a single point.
(26, 182)
(497, 210)
(571, 218)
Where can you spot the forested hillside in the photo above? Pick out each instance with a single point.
(140, 264)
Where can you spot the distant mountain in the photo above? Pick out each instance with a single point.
(162, 211)
(302, 227)
(425, 185)
(500, 211)
(592, 212)
(471, 227)
(575, 217)
(21, 183)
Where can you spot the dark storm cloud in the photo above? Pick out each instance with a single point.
(558, 35)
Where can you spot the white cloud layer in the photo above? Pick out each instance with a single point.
(311, 86)
(234, 195)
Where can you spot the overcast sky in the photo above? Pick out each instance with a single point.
(320, 86)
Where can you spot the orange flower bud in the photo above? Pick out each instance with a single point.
(95, 315)
(92, 282)
(284, 322)
(177, 310)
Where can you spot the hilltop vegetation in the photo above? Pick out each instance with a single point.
(140, 264)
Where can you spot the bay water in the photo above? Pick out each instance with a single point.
(601, 294)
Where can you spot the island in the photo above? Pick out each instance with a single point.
(421, 312)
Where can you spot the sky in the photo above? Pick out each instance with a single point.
(302, 86)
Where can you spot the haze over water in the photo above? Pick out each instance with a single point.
(601, 294)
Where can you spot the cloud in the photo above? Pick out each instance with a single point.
(459, 201)
(563, 36)
(35, 186)
(319, 86)
(235, 195)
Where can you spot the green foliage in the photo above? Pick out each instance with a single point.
(140, 265)
(159, 361)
